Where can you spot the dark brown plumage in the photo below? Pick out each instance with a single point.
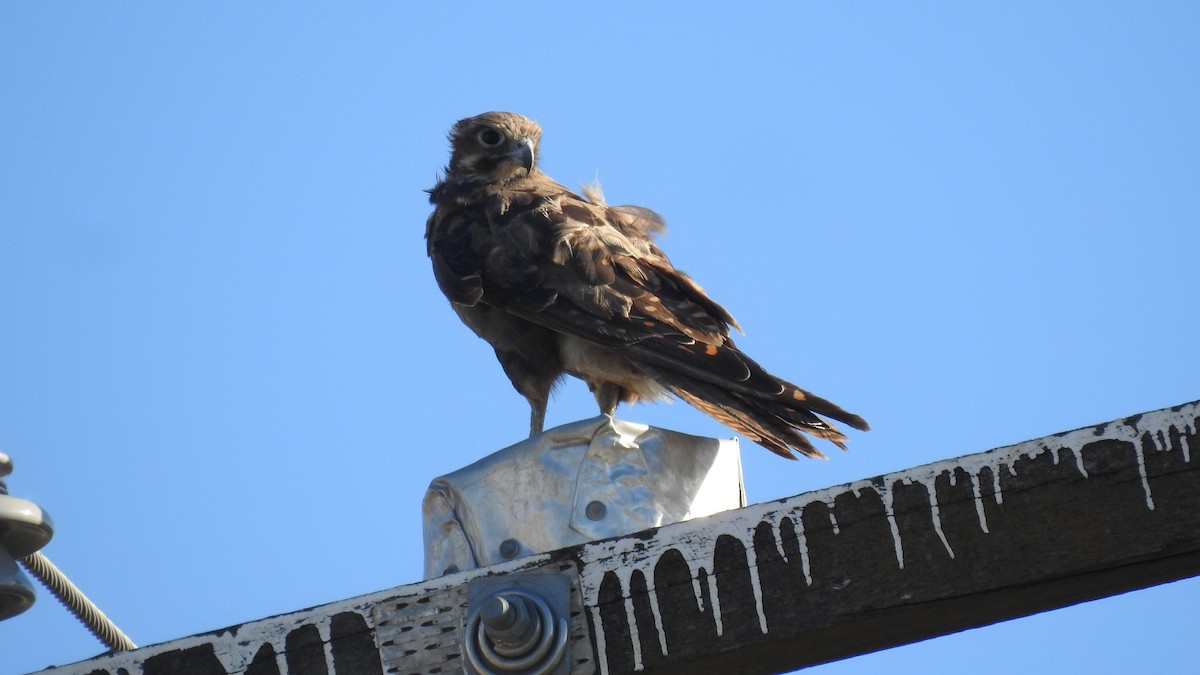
(560, 283)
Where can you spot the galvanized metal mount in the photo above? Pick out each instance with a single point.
(583, 481)
(517, 624)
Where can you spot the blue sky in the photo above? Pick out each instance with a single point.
(228, 375)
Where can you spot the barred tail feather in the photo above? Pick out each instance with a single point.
(776, 427)
(732, 388)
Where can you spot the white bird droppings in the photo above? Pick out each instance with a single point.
(699, 548)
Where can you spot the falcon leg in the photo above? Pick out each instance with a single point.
(607, 396)
(537, 417)
(534, 378)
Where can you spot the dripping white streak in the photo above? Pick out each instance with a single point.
(996, 491)
(1190, 427)
(832, 518)
(1078, 452)
(756, 585)
(710, 581)
(803, 541)
(885, 493)
(973, 466)
(777, 533)
(694, 571)
(1141, 463)
(1119, 431)
(1160, 440)
(634, 637)
(601, 647)
(978, 496)
(325, 631)
(658, 622)
(935, 513)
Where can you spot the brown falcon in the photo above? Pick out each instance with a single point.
(560, 283)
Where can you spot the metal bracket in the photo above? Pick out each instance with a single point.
(517, 624)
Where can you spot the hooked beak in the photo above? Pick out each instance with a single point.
(523, 153)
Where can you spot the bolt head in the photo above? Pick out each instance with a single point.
(595, 510)
(509, 548)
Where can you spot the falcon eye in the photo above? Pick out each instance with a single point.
(490, 138)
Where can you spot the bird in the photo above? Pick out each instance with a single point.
(560, 283)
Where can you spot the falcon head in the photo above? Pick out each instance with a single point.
(495, 147)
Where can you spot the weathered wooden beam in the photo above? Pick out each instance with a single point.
(908, 556)
(777, 586)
